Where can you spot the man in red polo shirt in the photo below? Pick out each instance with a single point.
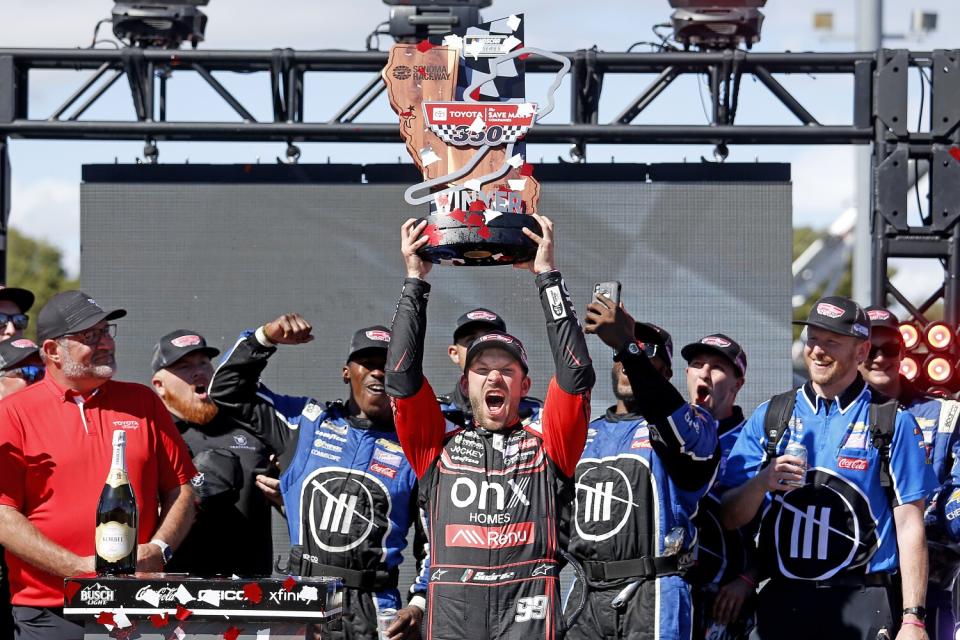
(55, 450)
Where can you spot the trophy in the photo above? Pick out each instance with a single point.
(463, 118)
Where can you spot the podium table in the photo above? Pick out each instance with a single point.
(165, 606)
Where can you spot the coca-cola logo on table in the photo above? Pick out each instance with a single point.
(163, 594)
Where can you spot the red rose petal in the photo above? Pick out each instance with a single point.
(182, 613)
(526, 169)
(289, 583)
(434, 234)
(232, 633)
(476, 220)
(159, 620)
(253, 592)
(475, 94)
(484, 232)
(458, 214)
(423, 46)
(105, 617)
(523, 56)
(477, 205)
(955, 152)
(71, 589)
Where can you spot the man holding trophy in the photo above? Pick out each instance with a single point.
(496, 491)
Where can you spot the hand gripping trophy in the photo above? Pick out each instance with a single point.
(463, 118)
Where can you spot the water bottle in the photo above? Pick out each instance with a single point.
(796, 448)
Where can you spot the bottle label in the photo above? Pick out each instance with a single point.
(115, 541)
(117, 478)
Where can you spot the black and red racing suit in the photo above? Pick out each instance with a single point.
(496, 501)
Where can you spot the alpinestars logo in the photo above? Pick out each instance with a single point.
(343, 508)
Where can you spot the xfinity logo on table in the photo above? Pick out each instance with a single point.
(307, 594)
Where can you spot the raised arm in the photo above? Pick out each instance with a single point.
(416, 414)
(566, 410)
(236, 382)
(684, 437)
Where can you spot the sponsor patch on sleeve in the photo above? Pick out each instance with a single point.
(555, 299)
(312, 411)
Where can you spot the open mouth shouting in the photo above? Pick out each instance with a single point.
(495, 401)
(375, 388)
(201, 391)
(703, 394)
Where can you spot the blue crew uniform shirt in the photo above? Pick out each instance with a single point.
(841, 519)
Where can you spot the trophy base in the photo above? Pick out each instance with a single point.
(462, 245)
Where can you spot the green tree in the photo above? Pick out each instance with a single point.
(38, 266)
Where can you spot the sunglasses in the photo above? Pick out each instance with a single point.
(890, 350)
(92, 337)
(19, 320)
(30, 373)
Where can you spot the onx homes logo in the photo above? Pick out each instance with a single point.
(96, 595)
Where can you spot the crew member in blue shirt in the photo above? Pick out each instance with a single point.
(725, 577)
(831, 537)
(937, 418)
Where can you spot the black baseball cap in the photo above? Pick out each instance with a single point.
(839, 315)
(70, 312)
(649, 332)
(479, 317)
(178, 344)
(721, 345)
(18, 352)
(20, 297)
(497, 340)
(882, 318)
(375, 337)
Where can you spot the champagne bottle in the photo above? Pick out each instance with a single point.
(116, 534)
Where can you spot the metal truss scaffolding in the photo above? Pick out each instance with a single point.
(878, 117)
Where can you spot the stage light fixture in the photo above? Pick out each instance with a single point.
(164, 24)
(938, 336)
(938, 369)
(910, 334)
(716, 24)
(414, 20)
(909, 368)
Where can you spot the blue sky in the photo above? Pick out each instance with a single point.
(46, 174)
